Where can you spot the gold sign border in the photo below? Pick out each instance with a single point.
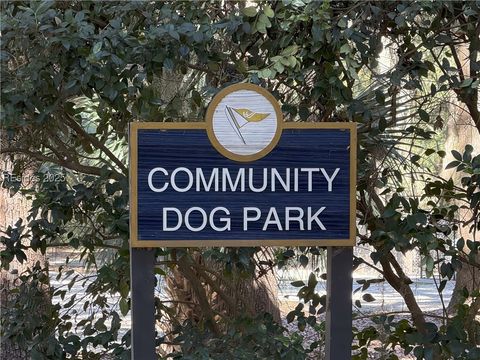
(137, 243)
(211, 111)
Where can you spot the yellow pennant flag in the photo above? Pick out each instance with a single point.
(250, 116)
(246, 116)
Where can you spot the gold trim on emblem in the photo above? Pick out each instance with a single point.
(248, 115)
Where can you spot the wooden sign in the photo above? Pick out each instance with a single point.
(244, 177)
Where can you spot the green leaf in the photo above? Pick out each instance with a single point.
(380, 96)
(249, 11)
(304, 112)
(110, 92)
(466, 83)
(297, 283)
(345, 48)
(44, 6)
(428, 353)
(301, 324)
(457, 155)
(368, 297)
(196, 98)
(261, 27)
(97, 47)
(263, 19)
(342, 23)
(429, 263)
(389, 212)
(290, 50)
(443, 283)
(174, 34)
(467, 155)
(268, 11)
(265, 73)
(316, 32)
(382, 124)
(100, 325)
(124, 307)
(312, 281)
(424, 115)
(290, 316)
(303, 260)
(279, 67)
(292, 60)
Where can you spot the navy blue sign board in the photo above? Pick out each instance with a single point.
(242, 178)
(189, 194)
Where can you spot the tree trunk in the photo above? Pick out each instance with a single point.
(461, 130)
(227, 296)
(468, 277)
(199, 292)
(12, 209)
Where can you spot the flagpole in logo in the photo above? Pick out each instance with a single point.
(246, 116)
(234, 123)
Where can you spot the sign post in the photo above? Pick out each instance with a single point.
(244, 177)
(338, 320)
(142, 262)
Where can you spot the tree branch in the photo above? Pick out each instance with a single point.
(404, 290)
(86, 169)
(184, 266)
(97, 143)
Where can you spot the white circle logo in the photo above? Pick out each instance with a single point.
(244, 122)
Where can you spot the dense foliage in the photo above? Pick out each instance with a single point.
(76, 73)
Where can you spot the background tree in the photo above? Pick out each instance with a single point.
(74, 74)
(11, 210)
(461, 131)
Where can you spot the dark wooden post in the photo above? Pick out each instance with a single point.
(339, 303)
(142, 263)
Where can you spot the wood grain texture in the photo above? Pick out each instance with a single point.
(302, 145)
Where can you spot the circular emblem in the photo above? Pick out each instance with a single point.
(244, 122)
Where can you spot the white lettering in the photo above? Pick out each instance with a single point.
(224, 220)
(314, 217)
(150, 178)
(259, 180)
(174, 182)
(330, 178)
(165, 219)
(276, 221)
(289, 217)
(295, 179)
(204, 219)
(284, 182)
(247, 218)
(201, 179)
(240, 179)
(250, 180)
(309, 171)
